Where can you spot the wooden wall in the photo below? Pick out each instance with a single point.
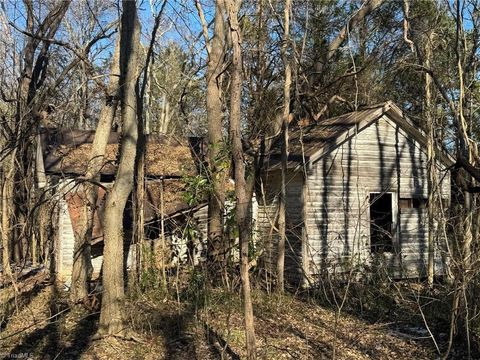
(267, 224)
(381, 158)
(335, 221)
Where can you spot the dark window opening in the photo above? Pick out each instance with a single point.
(419, 203)
(381, 223)
(107, 178)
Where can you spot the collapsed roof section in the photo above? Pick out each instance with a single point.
(67, 152)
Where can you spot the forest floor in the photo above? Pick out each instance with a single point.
(38, 323)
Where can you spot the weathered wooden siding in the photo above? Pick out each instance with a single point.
(381, 158)
(267, 224)
(413, 246)
(65, 242)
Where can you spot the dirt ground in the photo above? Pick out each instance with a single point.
(38, 323)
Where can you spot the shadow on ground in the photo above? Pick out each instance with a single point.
(51, 339)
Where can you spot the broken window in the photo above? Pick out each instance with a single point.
(381, 222)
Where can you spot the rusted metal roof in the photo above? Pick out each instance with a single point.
(67, 152)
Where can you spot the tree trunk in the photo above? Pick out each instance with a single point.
(7, 206)
(320, 66)
(138, 199)
(19, 159)
(459, 320)
(111, 316)
(284, 155)
(242, 203)
(431, 161)
(216, 145)
(82, 264)
(143, 131)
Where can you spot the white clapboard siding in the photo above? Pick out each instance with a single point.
(381, 158)
(267, 224)
(65, 242)
(330, 209)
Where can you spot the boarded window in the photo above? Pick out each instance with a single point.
(381, 222)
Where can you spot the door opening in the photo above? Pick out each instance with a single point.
(381, 222)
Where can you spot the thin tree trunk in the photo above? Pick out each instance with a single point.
(459, 321)
(7, 206)
(431, 161)
(216, 159)
(139, 191)
(143, 131)
(82, 266)
(284, 155)
(162, 235)
(111, 316)
(243, 203)
(139, 218)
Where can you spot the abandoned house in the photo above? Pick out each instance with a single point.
(62, 158)
(356, 196)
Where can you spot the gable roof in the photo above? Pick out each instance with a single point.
(67, 152)
(309, 143)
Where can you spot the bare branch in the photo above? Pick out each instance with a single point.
(203, 21)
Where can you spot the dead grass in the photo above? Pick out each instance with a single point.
(287, 328)
(45, 327)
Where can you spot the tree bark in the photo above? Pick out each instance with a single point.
(284, 155)
(111, 316)
(216, 144)
(82, 264)
(459, 318)
(242, 198)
